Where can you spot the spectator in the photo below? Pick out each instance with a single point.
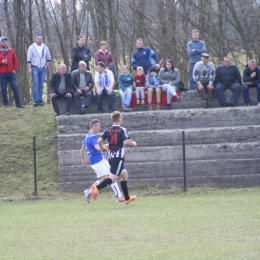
(106, 57)
(144, 57)
(104, 83)
(153, 85)
(227, 76)
(82, 82)
(61, 87)
(195, 48)
(169, 78)
(8, 68)
(80, 52)
(125, 80)
(251, 78)
(204, 75)
(139, 80)
(39, 59)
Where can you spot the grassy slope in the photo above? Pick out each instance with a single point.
(17, 128)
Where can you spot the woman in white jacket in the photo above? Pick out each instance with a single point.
(169, 78)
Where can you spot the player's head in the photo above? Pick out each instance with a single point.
(116, 117)
(95, 125)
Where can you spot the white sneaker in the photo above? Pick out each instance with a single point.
(258, 104)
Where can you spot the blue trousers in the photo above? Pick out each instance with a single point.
(246, 94)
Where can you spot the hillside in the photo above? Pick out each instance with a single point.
(17, 128)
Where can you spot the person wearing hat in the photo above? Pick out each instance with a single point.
(38, 60)
(204, 76)
(8, 68)
(153, 85)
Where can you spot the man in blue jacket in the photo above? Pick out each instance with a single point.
(144, 57)
(195, 48)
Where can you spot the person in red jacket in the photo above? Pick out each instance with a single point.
(8, 68)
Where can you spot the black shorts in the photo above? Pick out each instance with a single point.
(116, 166)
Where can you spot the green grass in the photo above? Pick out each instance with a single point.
(17, 128)
(201, 224)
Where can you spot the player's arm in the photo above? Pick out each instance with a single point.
(102, 147)
(83, 158)
(130, 142)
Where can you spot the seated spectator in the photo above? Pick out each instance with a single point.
(104, 83)
(82, 82)
(251, 78)
(139, 80)
(153, 85)
(227, 76)
(61, 87)
(106, 57)
(125, 81)
(169, 78)
(203, 76)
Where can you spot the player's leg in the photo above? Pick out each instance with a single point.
(124, 177)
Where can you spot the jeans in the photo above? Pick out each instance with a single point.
(192, 83)
(235, 87)
(171, 91)
(126, 98)
(11, 78)
(111, 99)
(87, 98)
(246, 94)
(38, 76)
(55, 103)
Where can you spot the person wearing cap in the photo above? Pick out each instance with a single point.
(61, 87)
(203, 76)
(153, 85)
(38, 60)
(80, 52)
(8, 68)
(228, 77)
(144, 56)
(194, 49)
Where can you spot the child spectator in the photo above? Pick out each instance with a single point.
(153, 85)
(139, 80)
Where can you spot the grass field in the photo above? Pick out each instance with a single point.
(213, 224)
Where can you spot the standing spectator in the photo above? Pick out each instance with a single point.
(125, 80)
(195, 48)
(169, 78)
(227, 77)
(104, 83)
(153, 85)
(106, 57)
(61, 87)
(204, 75)
(8, 68)
(251, 78)
(83, 83)
(39, 59)
(139, 80)
(144, 57)
(80, 52)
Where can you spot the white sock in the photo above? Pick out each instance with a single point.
(116, 190)
(97, 182)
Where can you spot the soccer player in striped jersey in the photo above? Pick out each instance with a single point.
(117, 137)
(96, 159)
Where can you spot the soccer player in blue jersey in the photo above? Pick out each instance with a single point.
(117, 137)
(96, 159)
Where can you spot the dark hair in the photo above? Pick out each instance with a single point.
(115, 116)
(169, 61)
(101, 64)
(93, 122)
(79, 37)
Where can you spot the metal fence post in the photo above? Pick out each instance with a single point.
(184, 162)
(34, 162)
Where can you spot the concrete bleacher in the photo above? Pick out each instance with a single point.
(222, 144)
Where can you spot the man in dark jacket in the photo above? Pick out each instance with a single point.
(227, 76)
(251, 78)
(61, 87)
(80, 52)
(83, 83)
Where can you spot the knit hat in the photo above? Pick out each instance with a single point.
(152, 69)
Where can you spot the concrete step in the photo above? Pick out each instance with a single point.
(226, 172)
(190, 99)
(170, 137)
(166, 119)
(173, 153)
